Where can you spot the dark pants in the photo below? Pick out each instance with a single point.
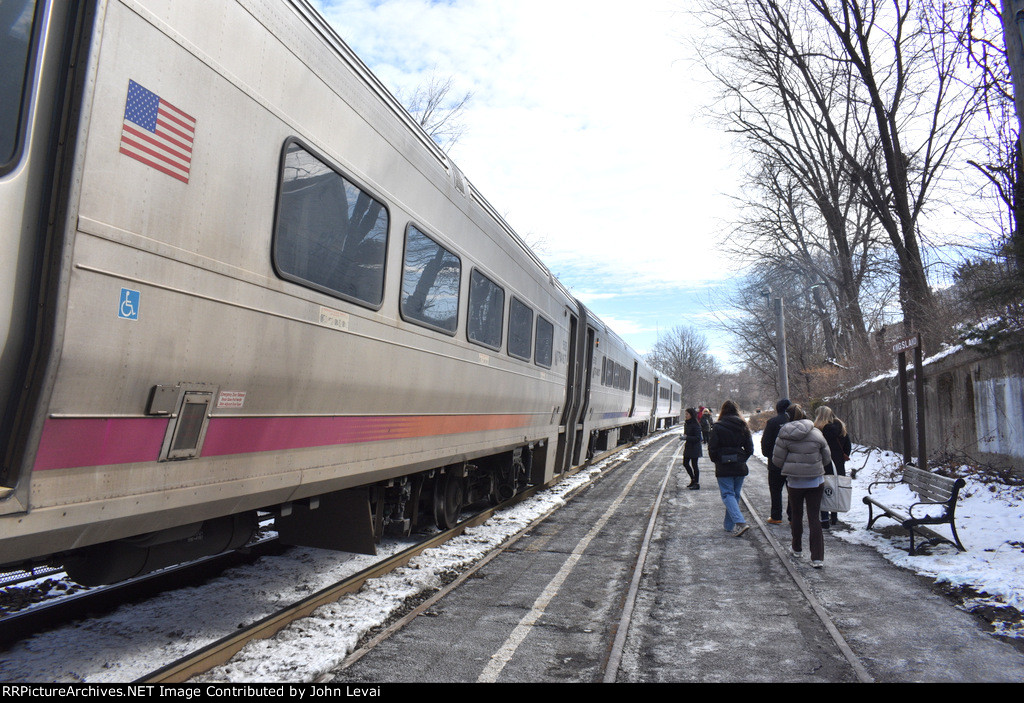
(690, 464)
(838, 468)
(776, 482)
(797, 498)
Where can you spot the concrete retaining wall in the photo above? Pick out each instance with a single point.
(974, 407)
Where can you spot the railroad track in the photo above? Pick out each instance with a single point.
(611, 666)
(615, 654)
(84, 606)
(614, 658)
(90, 602)
(220, 652)
(826, 620)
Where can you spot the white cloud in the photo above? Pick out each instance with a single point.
(624, 327)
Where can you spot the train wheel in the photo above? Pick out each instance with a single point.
(449, 496)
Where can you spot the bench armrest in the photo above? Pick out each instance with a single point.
(882, 483)
(910, 510)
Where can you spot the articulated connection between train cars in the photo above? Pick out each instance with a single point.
(237, 277)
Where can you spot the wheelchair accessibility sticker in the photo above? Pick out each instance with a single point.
(129, 306)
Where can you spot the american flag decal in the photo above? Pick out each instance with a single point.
(157, 133)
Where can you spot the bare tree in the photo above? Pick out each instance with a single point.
(801, 209)
(991, 282)
(439, 110)
(683, 353)
(870, 84)
(748, 317)
(835, 258)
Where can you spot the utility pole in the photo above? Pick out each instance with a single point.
(780, 340)
(1013, 36)
(780, 347)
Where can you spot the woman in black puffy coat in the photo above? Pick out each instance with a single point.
(692, 450)
(729, 447)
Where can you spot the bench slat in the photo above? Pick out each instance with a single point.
(928, 485)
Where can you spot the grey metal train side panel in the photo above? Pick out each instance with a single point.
(211, 309)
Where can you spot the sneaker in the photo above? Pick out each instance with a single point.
(773, 521)
(796, 553)
(817, 564)
(740, 528)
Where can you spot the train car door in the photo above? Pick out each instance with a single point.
(37, 43)
(567, 425)
(654, 410)
(585, 405)
(632, 402)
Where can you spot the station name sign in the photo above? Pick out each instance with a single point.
(905, 344)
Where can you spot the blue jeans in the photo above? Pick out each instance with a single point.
(730, 487)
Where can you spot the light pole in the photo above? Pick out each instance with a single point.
(780, 342)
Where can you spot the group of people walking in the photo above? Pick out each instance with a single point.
(799, 452)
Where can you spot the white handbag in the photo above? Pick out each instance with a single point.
(838, 494)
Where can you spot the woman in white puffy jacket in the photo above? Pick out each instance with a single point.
(802, 453)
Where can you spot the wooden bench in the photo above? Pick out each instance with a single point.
(934, 490)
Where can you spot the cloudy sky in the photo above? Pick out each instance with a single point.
(587, 131)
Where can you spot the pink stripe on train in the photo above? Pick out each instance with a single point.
(68, 443)
(100, 441)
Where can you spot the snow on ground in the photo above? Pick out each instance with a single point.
(989, 521)
(315, 645)
(140, 638)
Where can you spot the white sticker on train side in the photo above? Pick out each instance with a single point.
(231, 399)
(334, 319)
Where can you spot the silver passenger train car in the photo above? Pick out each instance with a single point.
(237, 277)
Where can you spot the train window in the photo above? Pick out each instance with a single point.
(644, 387)
(16, 20)
(430, 283)
(544, 344)
(520, 329)
(331, 235)
(486, 311)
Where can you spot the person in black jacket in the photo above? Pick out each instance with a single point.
(729, 447)
(705, 423)
(776, 481)
(839, 444)
(692, 448)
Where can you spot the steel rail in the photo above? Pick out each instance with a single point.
(851, 657)
(35, 618)
(614, 659)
